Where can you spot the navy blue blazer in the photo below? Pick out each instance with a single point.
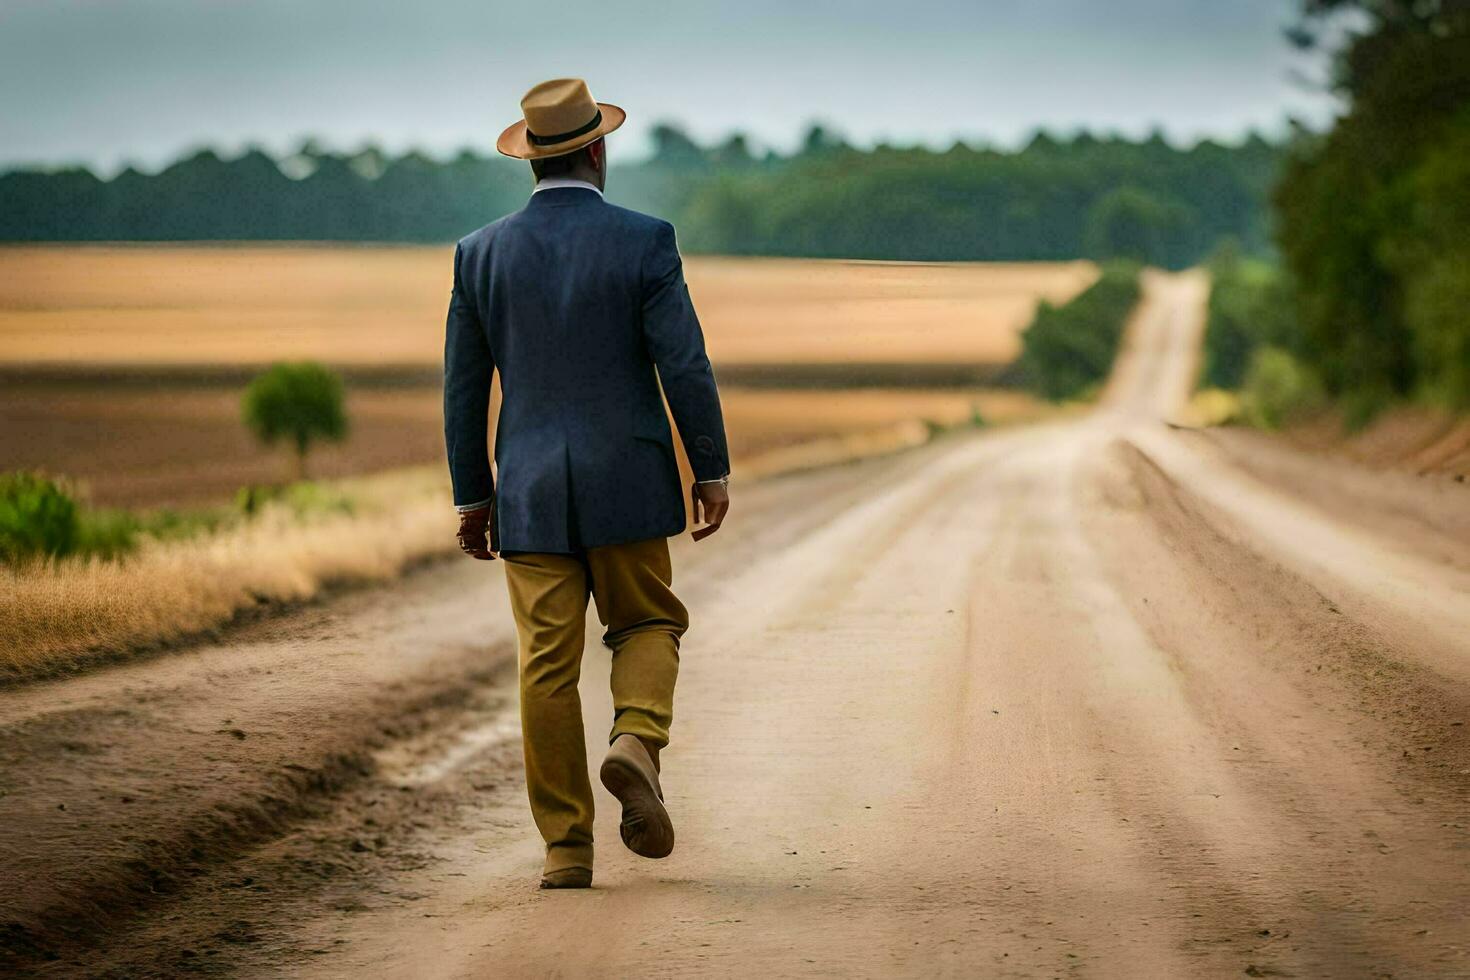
(581, 306)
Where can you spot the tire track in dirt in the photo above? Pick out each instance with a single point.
(1421, 601)
(1426, 515)
(1322, 719)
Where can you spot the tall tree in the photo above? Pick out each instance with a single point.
(1355, 228)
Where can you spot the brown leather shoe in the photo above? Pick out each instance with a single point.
(567, 878)
(629, 774)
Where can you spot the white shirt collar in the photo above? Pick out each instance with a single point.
(551, 183)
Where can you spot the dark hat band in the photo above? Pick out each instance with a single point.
(563, 137)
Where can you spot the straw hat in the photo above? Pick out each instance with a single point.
(560, 118)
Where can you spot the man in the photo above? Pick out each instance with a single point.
(582, 308)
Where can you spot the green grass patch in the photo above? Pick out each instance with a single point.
(1278, 388)
(42, 518)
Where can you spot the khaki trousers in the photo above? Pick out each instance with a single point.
(630, 584)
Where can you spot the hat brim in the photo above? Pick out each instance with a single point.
(515, 142)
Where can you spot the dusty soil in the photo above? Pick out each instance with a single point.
(373, 305)
(1090, 698)
(1414, 440)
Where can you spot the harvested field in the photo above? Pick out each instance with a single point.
(786, 311)
(363, 305)
(122, 366)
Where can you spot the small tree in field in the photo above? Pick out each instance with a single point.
(296, 403)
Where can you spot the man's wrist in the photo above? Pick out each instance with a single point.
(465, 508)
(723, 481)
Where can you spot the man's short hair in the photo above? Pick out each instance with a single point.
(559, 166)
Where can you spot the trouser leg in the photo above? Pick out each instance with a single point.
(631, 585)
(548, 596)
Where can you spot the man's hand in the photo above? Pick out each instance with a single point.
(711, 504)
(472, 525)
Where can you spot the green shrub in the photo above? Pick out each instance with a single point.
(1068, 350)
(107, 533)
(1278, 388)
(298, 403)
(38, 518)
(1430, 254)
(1438, 307)
(1364, 404)
(1250, 307)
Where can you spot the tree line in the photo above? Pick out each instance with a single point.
(1055, 198)
(1370, 301)
(1374, 213)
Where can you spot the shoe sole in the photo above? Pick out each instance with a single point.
(567, 878)
(645, 828)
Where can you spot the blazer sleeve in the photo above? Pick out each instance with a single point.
(468, 371)
(673, 336)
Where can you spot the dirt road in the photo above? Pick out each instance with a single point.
(1098, 698)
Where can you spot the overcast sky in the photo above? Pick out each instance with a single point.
(112, 81)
